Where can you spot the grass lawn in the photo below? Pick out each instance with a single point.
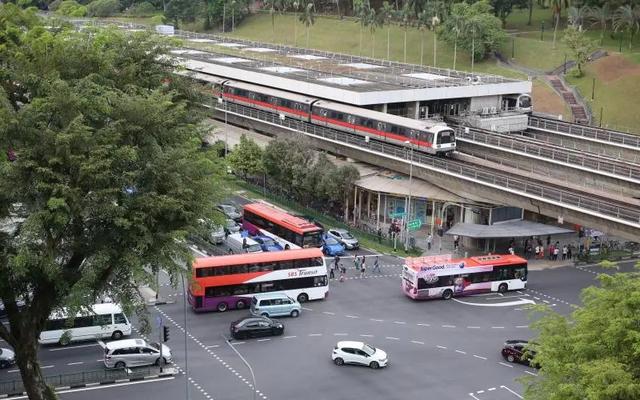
(617, 85)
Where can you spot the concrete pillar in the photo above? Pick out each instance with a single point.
(355, 204)
(384, 212)
(384, 108)
(378, 213)
(433, 216)
(416, 113)
(346, 208)
(360, 205)
(368, 204)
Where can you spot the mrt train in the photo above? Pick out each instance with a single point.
(428, 136)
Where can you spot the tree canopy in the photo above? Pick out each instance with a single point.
(104, 173)
(594, 353)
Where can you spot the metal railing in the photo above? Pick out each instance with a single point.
(79, 378)
(591, 204)
(591, 161)
(588, 132)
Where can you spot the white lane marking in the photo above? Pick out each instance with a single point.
(234, 343)
(512, 392)
(340, 334)
(213, 346)
(461, 352)
(315, 334)
(263, 340)
(448, 326)
(399, 322)
(289, 337)
(391, 338)
(473, 327)
(505, 304)
(473, 396)
(12, 371)
(441, 347)
(506, 365)
(522, 326)
(47, 366)
(307, 308)
(497, 327)
(101, 343)
(376, 320)
(74, 347)
(328, 313)
(417, 342)
(76, 363)
(530, 373)
(106, 386)
(352, 316)
(480, 391)
(366, 335)
(480, 357)
(423, 324)
(491, 389)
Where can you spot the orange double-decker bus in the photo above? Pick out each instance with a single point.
(302, 233)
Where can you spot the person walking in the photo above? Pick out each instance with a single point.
(429, 240)
(356, 263)
(556, 252)
(570, 252)
(363, 268)
(456, 241)
(379, 235)
(511, 250)
(332, 272)
(565, 250)
(336, 261)
(376, 264)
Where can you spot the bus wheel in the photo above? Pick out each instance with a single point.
(503, 288)
(222, 307)
(448, 294)
(240, 304)
(64, 341)
(117, 335)
(303, 298)
(120, 365)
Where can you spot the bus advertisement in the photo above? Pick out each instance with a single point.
(228, 282)
(293, 229)
(444, 277)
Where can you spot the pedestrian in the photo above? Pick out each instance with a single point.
(287, 247)
(548, 240)
(537, 252)
(565, 251)
(230, 250)
(363, 260)
(336, 261)
(551, 248)
(376, 264)
(244, 243)
(429, 240)
(455, 242)
(570, 252)
(332, 272)
(343, 271)
(379, 235)
(511, 251)
(556, 252)
(362, 269)
(356, 263)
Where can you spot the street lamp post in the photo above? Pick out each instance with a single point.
(406, 239)
(186, 353)
(226, 126)
(253, 377)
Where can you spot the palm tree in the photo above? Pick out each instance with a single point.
(423, 24)
(272, 10)
(295, 6)
(627, 18)
(405, 19)
(386, 15)
(577, 15)
(361, 12)
(600, 16)
(233, 15)
(472, 25)
(373, 21)
(435, 21)
(308, 18)
(458, 28)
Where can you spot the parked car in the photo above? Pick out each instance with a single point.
(349, 352)
(231, 226)
(274, 305)
(255, 327)
(3, 312)
(331, 247)
(519, 351)
(217, 234)
(7, 358)
(230, 212)
(343, 236)
(267, 244)
(134, 353)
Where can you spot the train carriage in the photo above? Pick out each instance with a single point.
(211, 85)
(429, 136)
(272, 100)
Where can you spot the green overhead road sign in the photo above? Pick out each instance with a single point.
(414, 225)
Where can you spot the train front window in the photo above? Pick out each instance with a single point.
(525, 101)
(446, 136)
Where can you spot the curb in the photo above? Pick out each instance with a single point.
(169, 372)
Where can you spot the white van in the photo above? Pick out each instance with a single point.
(274, 305)
(240, 244)
(135, 353)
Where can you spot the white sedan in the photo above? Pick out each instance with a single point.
(349, 352)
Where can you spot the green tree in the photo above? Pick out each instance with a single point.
(246, 157)
(627, 18)
(423, 21)
(577, 15)
(71, 8)
(579, 45)
(296, 6)
(502, 8)
(103, 8)
(405, 15)
(387, 14)
(108, 173)
(361, 12)
(593, 354)
(600, 15)
(373, 22)
(308, 18)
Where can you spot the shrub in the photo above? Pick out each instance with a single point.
(54, 5)
(158, 20)
(142, 9)
(71, 8)
(103, 8)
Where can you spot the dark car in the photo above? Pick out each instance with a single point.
(255, 327)
(3, 312)
(519, 351)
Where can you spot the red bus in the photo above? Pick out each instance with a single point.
(293, 229)
(444, 277)
(228, 282)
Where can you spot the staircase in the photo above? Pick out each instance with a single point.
(580, 114)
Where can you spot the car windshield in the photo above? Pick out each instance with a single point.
(368, 349)
(346, 235)
(267, 241)
(254, 248)
(155, 345)
(330, 241)
(312, 239)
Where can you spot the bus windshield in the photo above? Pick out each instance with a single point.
(313, 239)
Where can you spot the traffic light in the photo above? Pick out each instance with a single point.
(165, 333)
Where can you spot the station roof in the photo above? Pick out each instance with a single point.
(507, 229)
(338, 77)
